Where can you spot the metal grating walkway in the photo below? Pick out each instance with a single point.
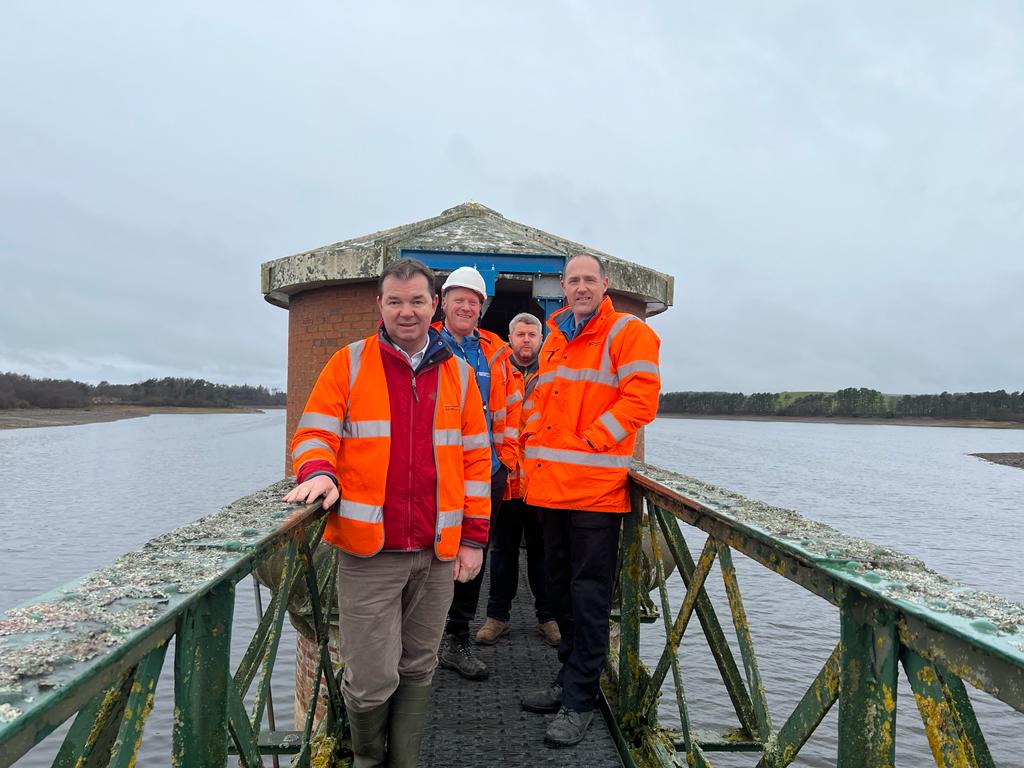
(479, 723)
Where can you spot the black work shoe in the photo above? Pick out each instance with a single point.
(568, 728)
(455, 654)
(545, 700)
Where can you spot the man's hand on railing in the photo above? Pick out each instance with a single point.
(313, 489)
(467, 563)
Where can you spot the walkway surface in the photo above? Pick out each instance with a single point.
(479, 723)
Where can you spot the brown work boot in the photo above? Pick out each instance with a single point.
(492, 629)
(549, 631)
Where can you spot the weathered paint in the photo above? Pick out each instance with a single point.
(713, 633)
(867, 688)
(140, 704)
(649, 696)
(951, 747)
(782, 750)
(684, 717)
(629, 639)
(202, 681)
(746, 641)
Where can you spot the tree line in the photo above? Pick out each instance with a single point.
(20, 391)
(857, 402)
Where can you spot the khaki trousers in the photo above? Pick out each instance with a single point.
(392, 609)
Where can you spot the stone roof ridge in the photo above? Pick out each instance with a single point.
(469, 209)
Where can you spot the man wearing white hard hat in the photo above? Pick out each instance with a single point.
(462, 299)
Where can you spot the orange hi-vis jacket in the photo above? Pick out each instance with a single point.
(504, 401)
(347, 424)
(516, 486)
(593, 393)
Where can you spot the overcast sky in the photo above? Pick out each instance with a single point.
(837, 188)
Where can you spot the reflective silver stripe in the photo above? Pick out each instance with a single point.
(528, 405)
(309, 445)
(640, 366)
(499, 439)
(511, 433)
(533, 417)
(469, 442)
(581, 458)
(364, 513)
(321, 421)
(368, 428)
(514, 398)
(606, 356)
(355, 359)
(447, 437)
(479, 488)
(587, 374)
(464, 371)
(499, 414)
(545, 378)
(496, 355)
(449, 519)
(613, 426)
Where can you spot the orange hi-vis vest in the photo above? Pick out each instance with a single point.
(515, 488)
(592, 395)
(503, 400)
(347, 423)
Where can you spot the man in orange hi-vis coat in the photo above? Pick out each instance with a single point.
(394, 432)
(597, 385)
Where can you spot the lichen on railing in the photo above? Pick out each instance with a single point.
(104, 636)
(894, 611)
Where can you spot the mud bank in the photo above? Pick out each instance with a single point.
(65, 417)
(1008, 459)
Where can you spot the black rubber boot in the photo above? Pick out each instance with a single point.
(409, 705)
(369, 731)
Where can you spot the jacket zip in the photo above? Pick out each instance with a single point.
(412, 420)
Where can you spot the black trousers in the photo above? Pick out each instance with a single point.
(580, 551)
(467, 593)
(517, 521)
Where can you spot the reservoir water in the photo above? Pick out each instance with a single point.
(73, 498)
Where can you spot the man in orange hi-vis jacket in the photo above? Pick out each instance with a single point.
(394, 432)
(597, 385)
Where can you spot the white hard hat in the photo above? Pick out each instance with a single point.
(466, 277)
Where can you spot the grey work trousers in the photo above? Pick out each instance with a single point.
(392, 609)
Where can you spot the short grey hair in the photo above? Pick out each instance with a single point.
(525, 317)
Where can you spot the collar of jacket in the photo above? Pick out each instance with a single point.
(526, 370)
(468, 342)
(495, 347)
(490, 343)
(559, 319)
(437, 351)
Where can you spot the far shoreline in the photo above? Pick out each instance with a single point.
(875, 421)
(27, 418)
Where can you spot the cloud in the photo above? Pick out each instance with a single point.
(834, 188)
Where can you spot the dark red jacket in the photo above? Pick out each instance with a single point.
(410, 501)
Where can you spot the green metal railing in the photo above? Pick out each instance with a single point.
(96, 648)
(892, 612)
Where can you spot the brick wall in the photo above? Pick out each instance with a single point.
(306, 653)
(320, 322)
